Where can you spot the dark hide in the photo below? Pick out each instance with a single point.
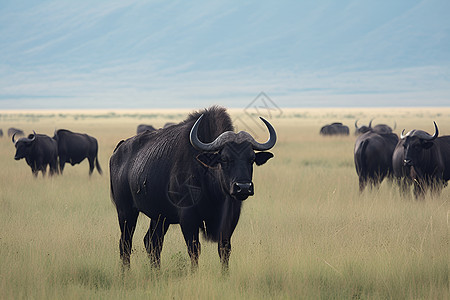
(162, 175)
(429, 163)
(335, 129)
(379, 128)
(143, 127)
(373, 157)
(74, 147)
(401, 171)
(39, 150)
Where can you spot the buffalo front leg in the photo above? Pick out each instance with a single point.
(127, 223)
(224, 253)
(154, 240)
(190, 234)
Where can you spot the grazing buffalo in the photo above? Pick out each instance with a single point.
(74, 147)
(335, 129)
(144, 127)
(195, 173)
(18, 132)
(373, 157)
(428, 159)
(380, 128)
(39, 150)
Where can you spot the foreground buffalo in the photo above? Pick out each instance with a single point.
(39, 150)
(195, 173)
(379, 128)
(373, 157)
(426, 159)
(74, 147)
(335, 129)
(143, 127)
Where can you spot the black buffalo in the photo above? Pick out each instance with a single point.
(427, 158)
(144, 127)
(39, 150)
(18, 132)
(401, 170)
(1, 132)
(379, 128)
(74, 147)
(195, 173)
(335, 129)
(373, 157)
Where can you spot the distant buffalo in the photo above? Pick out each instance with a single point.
(1, 132)
(144, 127)
(39, 150)
(373, 157)
(18, 132)
(74, 147)
(426, 158)
(380, 128)
(336, 128)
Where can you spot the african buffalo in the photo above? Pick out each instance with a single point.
(18, 132)
(334, 129)
(39, 150)
(373, 157)
(1, 132)
(380, 128)
(195, 173)
(428, 159)
(401, 171)
(144, 127)
(74, 147)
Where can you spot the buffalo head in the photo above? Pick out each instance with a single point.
(233, 155)
(415, 142)
(362, 129)
(23, 145)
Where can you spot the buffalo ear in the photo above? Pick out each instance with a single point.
(262, 157)
(208, 159)
(427, 145)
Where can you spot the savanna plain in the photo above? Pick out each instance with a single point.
(306, 234)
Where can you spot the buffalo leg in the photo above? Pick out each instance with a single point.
(91, 165)
(127, 223)
(190, 234)
(224, 253)
(62, 162)
(154, 240)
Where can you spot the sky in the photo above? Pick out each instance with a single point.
(125, 54)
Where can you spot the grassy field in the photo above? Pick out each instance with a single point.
(306, 234)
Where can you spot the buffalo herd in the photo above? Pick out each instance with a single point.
(197, 173)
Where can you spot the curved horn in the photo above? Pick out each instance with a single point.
(33, 138)
(356, 124)
(401, 135)
(370, 124)
(229, 135)
(13, 138)
(435, 135)
(193, 137)
(270, 142)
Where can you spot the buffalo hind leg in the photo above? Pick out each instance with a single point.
(127, 223)
(190, 234)
(91, 166)
(154, 240)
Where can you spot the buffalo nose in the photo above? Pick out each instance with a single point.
(407, 162)
(240, 188)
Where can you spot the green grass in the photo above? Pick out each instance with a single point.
(306, 234)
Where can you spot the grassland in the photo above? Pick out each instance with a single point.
(306, 234)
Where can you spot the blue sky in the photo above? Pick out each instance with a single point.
(58, 54)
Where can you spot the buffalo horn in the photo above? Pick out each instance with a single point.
(356, 124)
(13, 138)
(231, 136)
(421, 134)
(370, 124)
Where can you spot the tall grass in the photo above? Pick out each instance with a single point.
(307, 233)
